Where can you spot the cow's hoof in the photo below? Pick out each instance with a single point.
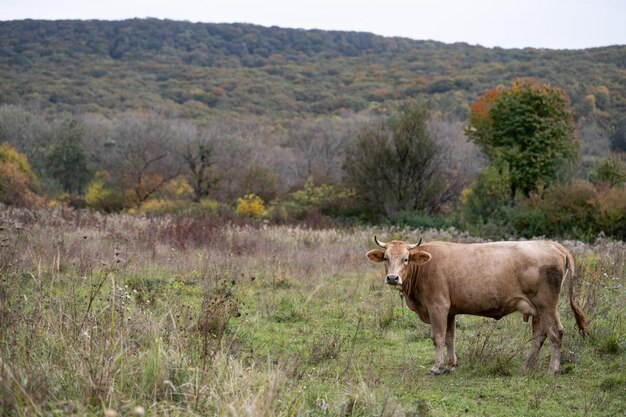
(437, 372)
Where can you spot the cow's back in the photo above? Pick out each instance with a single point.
(491, 279)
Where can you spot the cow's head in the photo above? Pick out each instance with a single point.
(397, 256)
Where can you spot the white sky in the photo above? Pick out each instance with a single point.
(556, 24)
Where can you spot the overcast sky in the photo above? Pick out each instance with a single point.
(555, 24)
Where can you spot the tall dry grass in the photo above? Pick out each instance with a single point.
(113, 312)
(104, 312)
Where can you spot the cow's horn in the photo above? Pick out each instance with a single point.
(379, 243)
(414, 245)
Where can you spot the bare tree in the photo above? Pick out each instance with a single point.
(460, 158)
(144, 155)
(319, 146)
(28, 131)
(247, 156)
(594, 141)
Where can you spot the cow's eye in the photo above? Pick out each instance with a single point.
(386, 259)
(405, 260)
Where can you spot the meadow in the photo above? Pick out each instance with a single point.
(170, 316)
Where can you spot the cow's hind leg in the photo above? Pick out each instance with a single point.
(450, 328)
(539, 336)
(555, 332)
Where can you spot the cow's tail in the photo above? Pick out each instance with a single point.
(579, 315)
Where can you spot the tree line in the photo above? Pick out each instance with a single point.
(520, 166)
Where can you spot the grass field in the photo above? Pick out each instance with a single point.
(123, 315)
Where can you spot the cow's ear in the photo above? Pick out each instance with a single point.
(420, 257)
(375, 255)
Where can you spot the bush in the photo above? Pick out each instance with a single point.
(576, 210)
(18, 184)
(103, 195)
(491, 191)
(8, 154)
(259, 180)
(610, 215)
(570, 210)
(567, 210)
(527, 220)
(251, 205)
(208, 206)
(177, 189)
(323, 199)
(611, 170)
(160, 206)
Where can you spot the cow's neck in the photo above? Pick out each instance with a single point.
(410, 285)
(410, 289)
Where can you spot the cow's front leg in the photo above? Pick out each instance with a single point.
(450, 328)
(438, 320)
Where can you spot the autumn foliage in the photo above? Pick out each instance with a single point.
(251, 205)
(18, 184)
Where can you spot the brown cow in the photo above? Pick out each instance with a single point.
(440, 280)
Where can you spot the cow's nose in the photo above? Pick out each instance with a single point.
(393, 279)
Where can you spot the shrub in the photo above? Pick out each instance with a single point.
(159, 206)
(18, 184)
(10, 154)
(528, 219)
(570, 209)
(208, 205)
(103, 195)
(328, 199)
(576, 210)
(487, 195)
(177, 189)
(251, 205)
(611, 170)
(610, 216)
(565, 210)
(15, 188)
(259, 180)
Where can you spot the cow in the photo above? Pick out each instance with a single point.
(440, 280)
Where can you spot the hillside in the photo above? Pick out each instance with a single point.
(201, 71)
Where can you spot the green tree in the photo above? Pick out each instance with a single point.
(395, 166)
(67, 160)
(527, 126)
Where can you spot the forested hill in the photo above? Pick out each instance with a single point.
(201, 70)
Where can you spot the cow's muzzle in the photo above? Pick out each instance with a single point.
(393, 279)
